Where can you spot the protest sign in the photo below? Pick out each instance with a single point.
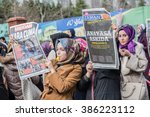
(29, 56)
(100, 37)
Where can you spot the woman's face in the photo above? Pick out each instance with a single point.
(139, 29)
(123, 37)
(51, 44)
(61, 53)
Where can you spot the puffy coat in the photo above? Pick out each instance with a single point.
(11, 75)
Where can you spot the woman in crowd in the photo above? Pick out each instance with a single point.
(46, 47)
(141, 29)
(10, 73)
(99, 84)
(54, 38)
(3, 91)
(133, 59)
(79, 94)
(65, 72)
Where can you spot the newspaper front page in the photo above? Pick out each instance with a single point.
(100, 37)
(29, 56)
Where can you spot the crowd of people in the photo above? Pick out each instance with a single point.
(72, 76)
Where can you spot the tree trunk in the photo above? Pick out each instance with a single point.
(132, 3)
(42, 12)
(115, 5)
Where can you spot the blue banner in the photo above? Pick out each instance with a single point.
(74, 22)
(69, 23)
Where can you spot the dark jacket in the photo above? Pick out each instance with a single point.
(3, 91)
(3, 49)
(11, 75)
(105, 85)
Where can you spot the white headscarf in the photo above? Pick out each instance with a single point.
(142, 26)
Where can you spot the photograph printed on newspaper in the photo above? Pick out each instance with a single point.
(29, 56)
(100, 37)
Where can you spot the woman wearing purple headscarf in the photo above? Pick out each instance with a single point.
(46, 47)
(133, 59)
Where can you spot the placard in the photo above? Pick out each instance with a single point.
(28, 53)
(100, 37)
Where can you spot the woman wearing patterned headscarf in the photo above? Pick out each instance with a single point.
(65, 72)
(133, 59)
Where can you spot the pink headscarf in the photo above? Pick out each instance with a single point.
(83, 46)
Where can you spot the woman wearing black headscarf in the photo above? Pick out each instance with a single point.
(100, 84)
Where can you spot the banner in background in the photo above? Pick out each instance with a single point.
(51, 27)
(76, 23)
(4, 31)
(100, 37)
(28, 53)
(69, 23)
(47, 29)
